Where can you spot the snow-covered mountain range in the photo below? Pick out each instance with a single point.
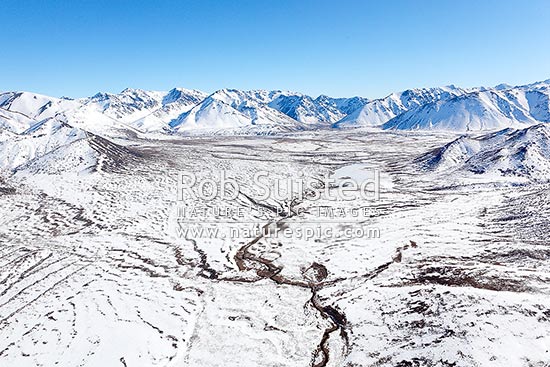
(183, 111)
(379, 111)
(483, 109)
(32, 124)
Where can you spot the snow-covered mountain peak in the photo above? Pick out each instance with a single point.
(503, 86)
(379, 111)
(489, 109)
(35, 106)
(187, 96)
(212, 113)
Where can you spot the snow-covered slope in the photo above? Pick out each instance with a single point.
(487, 110)
(254, 105)
(509, 152)
(128, 105)
(15, 122)
(127, 113)
(53, 146)
(234, 109)
(36, 106)
(39, 140)
(379, 111)
(210, 114)
(77, 113)
(264, 111)
(145, 110)
(484, 109)
(81, 156)
(536, 98)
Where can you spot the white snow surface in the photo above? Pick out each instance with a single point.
(40, 139)
(93, 270)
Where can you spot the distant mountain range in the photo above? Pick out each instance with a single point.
(34, 125)
(184, 111)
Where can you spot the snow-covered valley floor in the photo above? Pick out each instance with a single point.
(93, 270)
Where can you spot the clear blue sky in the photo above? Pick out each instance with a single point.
(341, 48)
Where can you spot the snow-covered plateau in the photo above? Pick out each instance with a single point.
(102, 264)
